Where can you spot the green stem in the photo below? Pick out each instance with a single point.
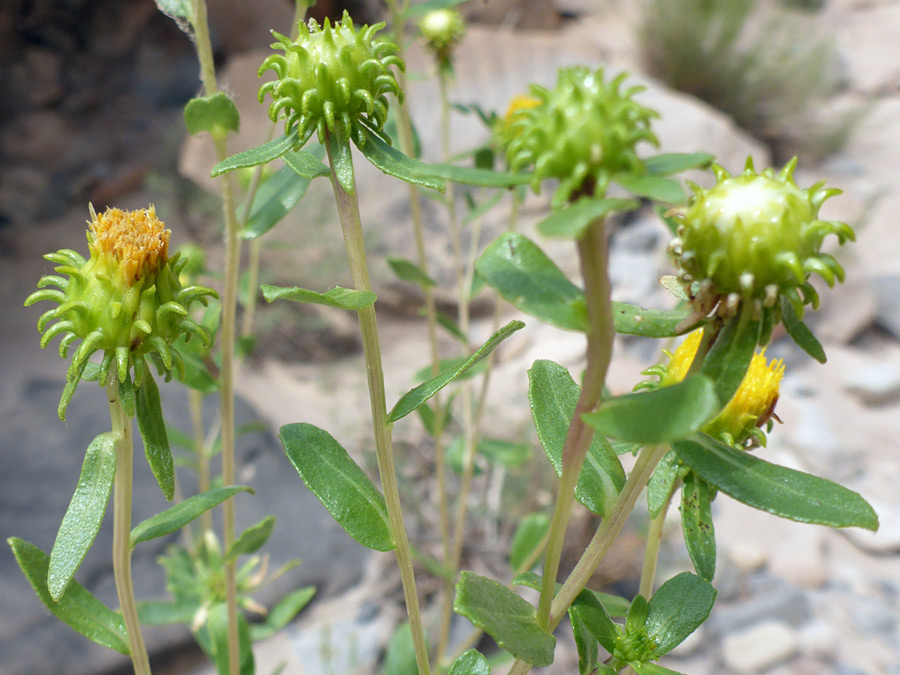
(351, 226)
(195, 402)
(227, 334)
(593, 254)
(651, 552)
(122, 488)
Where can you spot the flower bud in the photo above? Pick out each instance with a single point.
(332, 79)
(442, 30)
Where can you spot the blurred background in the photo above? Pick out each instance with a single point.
(91, 99)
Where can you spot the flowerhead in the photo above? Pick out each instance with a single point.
(756, 236)
(332, 80)
(443, 30)
(582, 133)
(125, 301)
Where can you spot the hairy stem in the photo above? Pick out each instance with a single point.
(121, 425)
(593, 254)
(351, 226)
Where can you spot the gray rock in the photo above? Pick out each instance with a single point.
(875, 383)
(759, 647)
(772, 600)
(874, 617)
(887, 297)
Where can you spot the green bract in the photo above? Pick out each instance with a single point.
(583, 133)
(756, 236)
(126, 300)
(332, 79)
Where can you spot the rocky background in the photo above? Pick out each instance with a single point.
(92, 98)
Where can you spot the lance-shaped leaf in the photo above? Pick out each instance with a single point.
(800, 332)
(307, 164)
(653, 187)
(654, 323)
(729, 358)
(211, 113)
(394, 163)
(179, 515)
(661, 483)
(337, 297)
(675, 162)
(769, 487)
(162, 613)
(400, 658)
(697, 525)
(252, 539)
(274, 200)
(588, 611)
(263, 154)
(570, 222)
(282, 613)
(660, 415)
(342, 487)
(506, 617)
(417, 396)
(553, 396)
(77, 608)
(85, 513)
(407, 270)
(677, 609)
(470, 662)
(528, 539)
(526, 278)
(153, 433)
(466, 175)
(216, 640)
(342, 162)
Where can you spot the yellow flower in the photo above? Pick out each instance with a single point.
(750, 407)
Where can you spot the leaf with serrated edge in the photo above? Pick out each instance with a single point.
(417, 396)
(769, 487)
(342, 487)
(337, 297)
(77, 608)
(553, 396)
(182, 513)
(660, 415)
(506, 617)
(85, 513)
(677, 609)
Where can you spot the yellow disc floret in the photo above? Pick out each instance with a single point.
(125, 300)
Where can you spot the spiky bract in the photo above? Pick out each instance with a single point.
(125, 301)
(442, 30)
(754, 237)
(332, 79)
(582, 133)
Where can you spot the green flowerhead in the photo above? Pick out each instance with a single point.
(332, 80)
(125, 301)
(442, 30)
(756, 236)
(582, 133)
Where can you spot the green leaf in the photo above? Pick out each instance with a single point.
(337, 297)
(427, 415)
(127, 396)
(274, 200)
(661, 483)
(697, 524)
(406, 270)
(342, 487)
(506, 617)
(196, 371)
(401, 653)
(637, 614)
(653, 187)
(525, 277)
(417, 396)
(263, 154)
(530, 536)
(282, 613)
(654, 323)
(252, 539)
(729, 358)
(800, 332)
(78, 608)
(470, 662)
(613, 605)
(179, 10)
(675, 162)
(570, 222)
(217, 625)
(73, 376)
(420, 10)
(653, 669)
(163, 613)
(585, 643)
(342, 162)
(450, 326)
(553, 396)
(216, 113)
(494, 451)
(182, 513)
(394, 163)
(660, 415)
(467, 175)
(769, 487)
(589, 611)
(85, 513)
(307, 164)
(677, 609)
(426, 372)
(153, 433)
